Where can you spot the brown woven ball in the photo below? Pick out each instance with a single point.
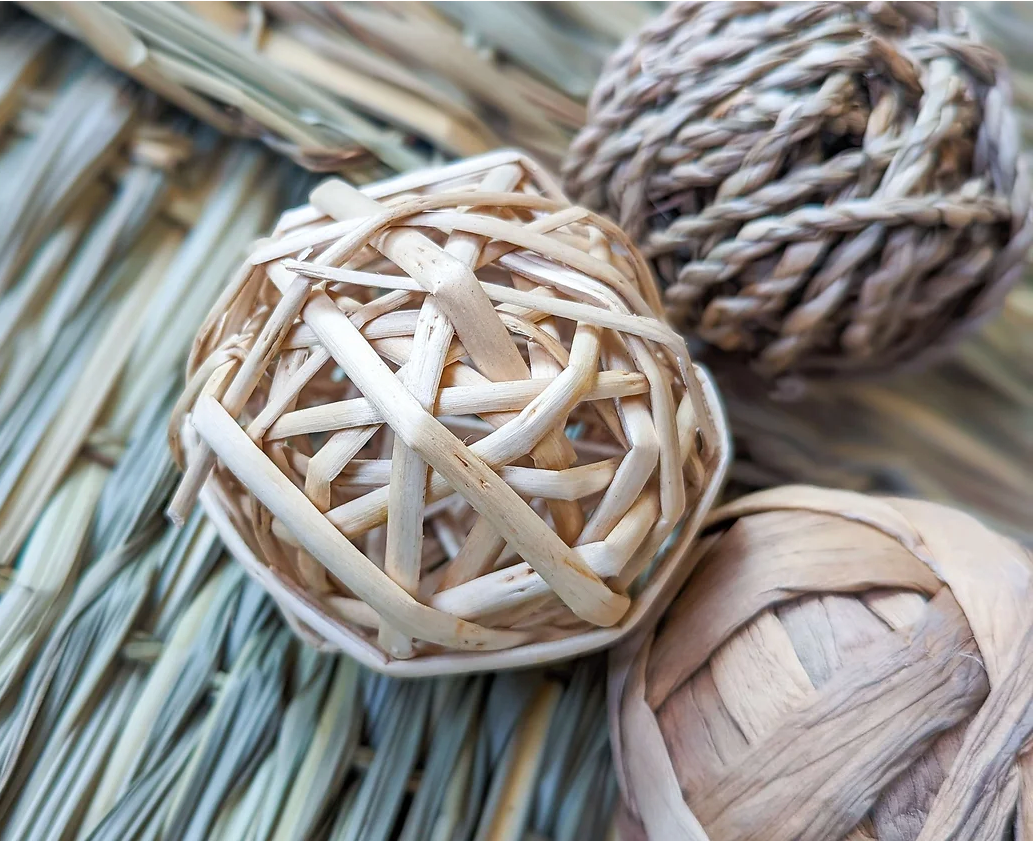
(821, 187)
(446, 425)
(837, 666)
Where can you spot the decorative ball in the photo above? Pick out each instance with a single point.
(836, 667)
(443, 422)
(821, 188)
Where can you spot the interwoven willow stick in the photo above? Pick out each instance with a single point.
(446, 420)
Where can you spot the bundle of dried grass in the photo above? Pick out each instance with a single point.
(87, 261)
(353, 87)
(147, 686)
(837, 666)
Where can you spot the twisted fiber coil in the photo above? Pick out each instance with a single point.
(467, 429)
(820, 187)
(837, 666)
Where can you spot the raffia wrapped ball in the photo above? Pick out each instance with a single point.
(445, 424)
(821, 188)
(836, 667)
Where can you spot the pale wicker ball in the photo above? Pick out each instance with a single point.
(836, 667)
(443, 422)
(821, 188)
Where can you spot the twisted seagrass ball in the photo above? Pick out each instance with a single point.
(820, 187)
(442, 420)
(837, 666)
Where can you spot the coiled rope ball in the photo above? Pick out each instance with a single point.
(443, 421)
(822, 188)
(836, 667)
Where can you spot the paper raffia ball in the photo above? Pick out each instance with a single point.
(822, 188)
(836, 667)
(450, 430)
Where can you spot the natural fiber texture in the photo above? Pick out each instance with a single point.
(150, 688)
(462, 417)
(837, 666)
(366, 88)
(821, 187)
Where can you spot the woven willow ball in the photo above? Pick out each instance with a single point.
(448, 427)
(820, 187)
(836, 667)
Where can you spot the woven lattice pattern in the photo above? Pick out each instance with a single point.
(446, 418)
(821, 187)
(838, 666)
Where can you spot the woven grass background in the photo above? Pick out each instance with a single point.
(365, 88)
(147, 688)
